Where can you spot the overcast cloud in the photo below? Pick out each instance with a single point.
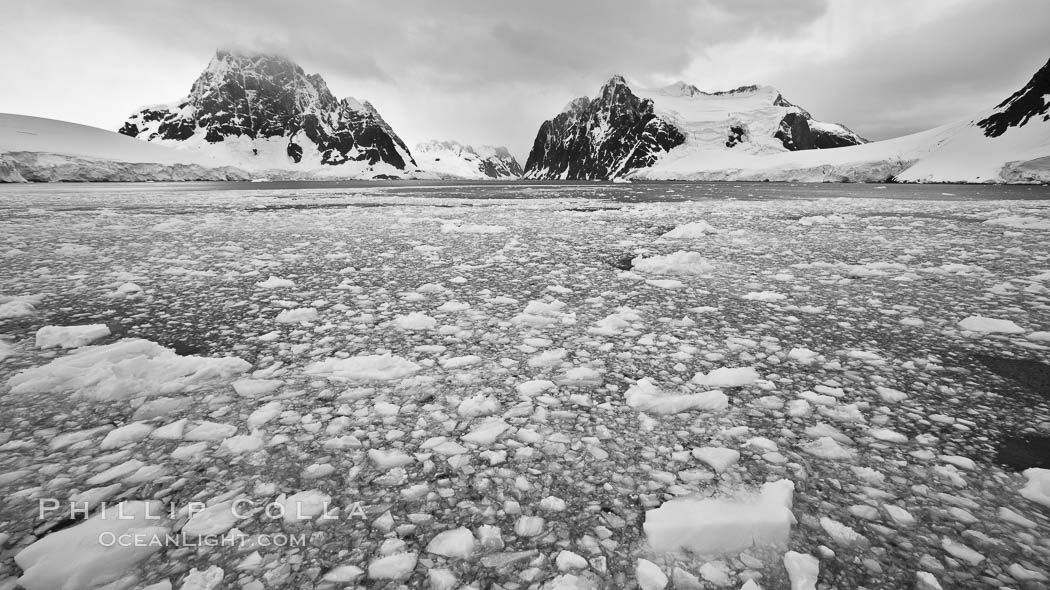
(492, 71)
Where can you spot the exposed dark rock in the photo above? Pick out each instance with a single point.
(601, 139)
(266, 96)
(824, 140)
(737, 134)
(1021, 106)
(808, 137)
(795, 133)
(295, 152)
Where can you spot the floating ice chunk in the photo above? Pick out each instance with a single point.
(926, 581)
(458, 542)
(172, 431)
(303, 506)
(128, 433)
(885, 434)
(695, 229)
(384, 367)
(960, 462)
(535, 387)
(276, 283)
(960, 551)
(486, 433)
(478, 405)
(839, 532)
(718, 526)
(616, 322)
(16, 309)
(825, 447)
(898, 514)
(244, 443)
(567, 561)
(650, 576)
(716, 572)
(189, 452)
(543, 313)
(529, 526)
(580, 376)
(458, 362)
(719, 458)
(1038, 487)
(389, 459)
(121, 470)
(414, 321)
(809, 220)
(458, 227)
(802, 570)
(210, 431)
(346, 573)
(817, 399)
(70, 336)
(213, 520)
(665, 283)
(398, 566)
(1020, 222)
(264, 414)
(767, 296)
(452, 306)
(256, 387)
(727, 377)
(676, 263)
(125, 369)
(976, 323)
(645, 396)
(294, 316)
(802, 355)
(890, 395)
(75, 558)
(1019, 572)
(441, 578)
(1011, 516)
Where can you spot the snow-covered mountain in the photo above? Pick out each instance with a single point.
(624, 130)
(263, 112)
(451, 159)
(613, 134)
(33, 149)
(1007, 143)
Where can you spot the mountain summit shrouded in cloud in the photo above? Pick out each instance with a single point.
(264, 112)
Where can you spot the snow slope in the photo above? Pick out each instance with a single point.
(708, 119)
(1009, 143)
(453, 159)
(36, 149)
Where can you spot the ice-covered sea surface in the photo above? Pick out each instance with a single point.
(524, 385)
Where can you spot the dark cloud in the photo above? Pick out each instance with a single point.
(965, 62)
(488, 71)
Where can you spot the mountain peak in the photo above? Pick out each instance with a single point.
(452, 159)
(264, 110)
(1027, 103)
(680, 88)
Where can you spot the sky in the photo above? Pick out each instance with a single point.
(491, 71)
